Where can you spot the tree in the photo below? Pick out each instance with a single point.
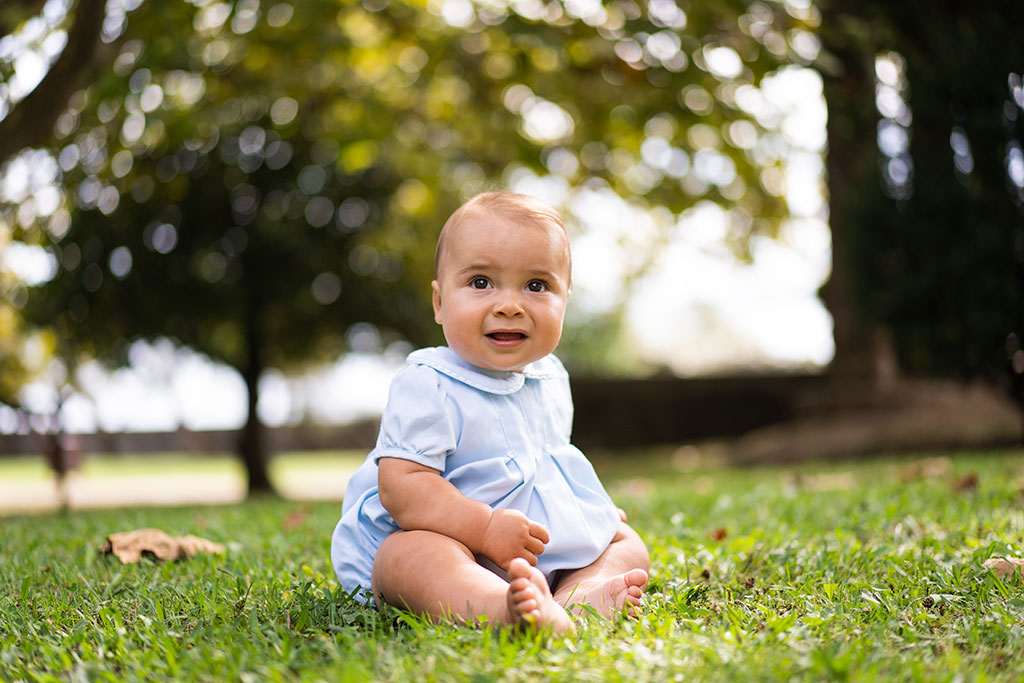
(849, 44)
(28, 355)
(936, 251)
(31, 123)
(23, 353)
(251, 182)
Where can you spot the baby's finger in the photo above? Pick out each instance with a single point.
(529, 557)
(535, 546)
(539, 532)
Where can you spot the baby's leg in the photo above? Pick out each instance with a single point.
(434, 574)
(614, 581)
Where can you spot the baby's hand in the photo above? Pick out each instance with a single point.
(511, 534)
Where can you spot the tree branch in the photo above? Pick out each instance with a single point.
(14, 12)
(30, 122)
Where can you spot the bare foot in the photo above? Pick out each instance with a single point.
(610, 595)
(529, 599)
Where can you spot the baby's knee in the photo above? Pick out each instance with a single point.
(626, 533)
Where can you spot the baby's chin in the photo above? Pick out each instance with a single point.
(494, 365)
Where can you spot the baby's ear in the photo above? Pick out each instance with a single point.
(436, 299)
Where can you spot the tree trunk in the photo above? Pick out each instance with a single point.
(252, 446)
(62, 452)
(862, 348)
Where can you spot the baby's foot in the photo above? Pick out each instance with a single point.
(529, 599)
(610, 595)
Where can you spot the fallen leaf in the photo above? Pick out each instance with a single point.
(703, 485)
(129, 546)
(1006, 566)
(836, 481)
(638, 487)
(193, 545)
(295, 518)
(968, 482)
(928, 468)
(718, 534)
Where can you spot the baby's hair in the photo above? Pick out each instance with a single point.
(508, 204)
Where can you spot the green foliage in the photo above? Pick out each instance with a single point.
(23, 354)
(251, 181)
(245, 176)
(24, 350)
(861, 571)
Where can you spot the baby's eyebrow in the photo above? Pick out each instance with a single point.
(475, 268)
(480, 265)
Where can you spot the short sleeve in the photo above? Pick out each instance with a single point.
(418, 423)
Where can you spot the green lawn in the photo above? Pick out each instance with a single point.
(859, 571)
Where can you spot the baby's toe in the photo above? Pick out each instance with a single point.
(523, 597)
(636, 578)
(528, 606)
(519, 568)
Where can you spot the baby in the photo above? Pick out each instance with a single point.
(473, 504)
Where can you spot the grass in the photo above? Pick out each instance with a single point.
(858, 571)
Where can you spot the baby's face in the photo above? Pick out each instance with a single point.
(501, 290)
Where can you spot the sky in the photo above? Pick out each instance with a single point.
(696, 308)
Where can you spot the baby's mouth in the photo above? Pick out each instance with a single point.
(506, 336)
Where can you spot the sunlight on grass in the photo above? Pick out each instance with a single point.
(26, 483)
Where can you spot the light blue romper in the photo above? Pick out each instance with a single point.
(501, 438)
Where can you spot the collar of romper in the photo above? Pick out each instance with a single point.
(445, 361)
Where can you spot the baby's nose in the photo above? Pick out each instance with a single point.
(508, 304)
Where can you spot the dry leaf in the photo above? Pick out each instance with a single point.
(928, 468)
(968, 483)
(718, 534)
(638, 487)
(193, 545)
(1005, 566)
(129, 546)
(295, 518)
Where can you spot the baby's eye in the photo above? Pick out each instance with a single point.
(479, 283)
(536, 286)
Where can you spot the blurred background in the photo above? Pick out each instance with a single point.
(797, 226)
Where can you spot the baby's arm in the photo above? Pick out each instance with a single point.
(418, 497)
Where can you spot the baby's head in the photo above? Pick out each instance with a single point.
(502, 277)
(518, 208)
